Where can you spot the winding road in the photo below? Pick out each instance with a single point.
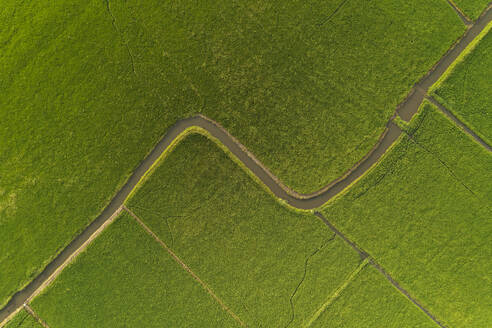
(405, 110)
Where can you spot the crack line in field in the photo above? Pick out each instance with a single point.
(451, 172)
(306, 262)
(333, 13)
(185, 267)
(113, 21)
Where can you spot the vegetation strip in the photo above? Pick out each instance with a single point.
(180, 262)
(337, 292)
(406, 110)
(458, 122)
(371, 260)
(35, 316)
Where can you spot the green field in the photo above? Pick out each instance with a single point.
(23, 320)
(250, 249)
(74, 125)
(307, 92)
(256, 258)
(424, 214)
(85, 92)
(466, 91)
(472, 8)
(371, 301)
(270, 265)
(125, 278)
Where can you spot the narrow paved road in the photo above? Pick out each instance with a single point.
(406, 110)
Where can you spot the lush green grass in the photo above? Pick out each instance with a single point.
(472, 8)
(309, 95)
(466, 91)
(424, 214)
(125, 278)
(23, 320)
(370, 301)
(74, 124)
(309, 100)
(250, 249)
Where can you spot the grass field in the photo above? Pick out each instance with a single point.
(86, 89)
(125, 278)
(74, 124)
(23, 320)
(424, 214)
(371, 301)
(466, 91)
(250, 249)
(472, 8)
(307, 92)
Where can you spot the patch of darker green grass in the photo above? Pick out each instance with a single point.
(424, 214)
(272, 266)
(125, 278)
(466, 91)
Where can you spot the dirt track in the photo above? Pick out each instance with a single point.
(406, 110)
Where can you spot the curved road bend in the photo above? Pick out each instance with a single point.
(406, 110)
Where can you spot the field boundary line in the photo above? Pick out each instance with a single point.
(75, 254)
(466, 20)
(460, 123)
(378, 267)
(337, 292)
(185, 267)
(35, 316)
